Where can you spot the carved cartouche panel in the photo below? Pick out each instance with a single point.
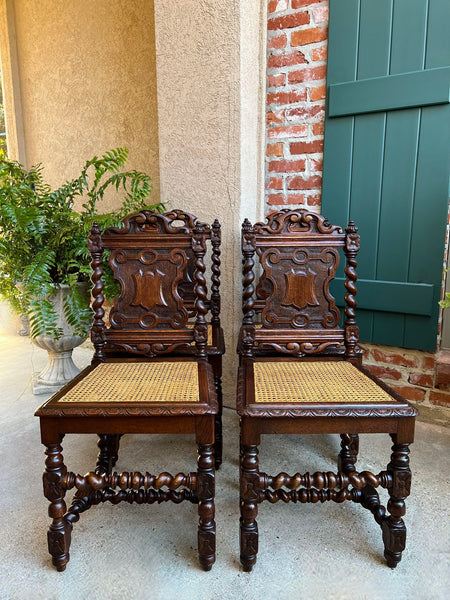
(149, 280)
(296, 281)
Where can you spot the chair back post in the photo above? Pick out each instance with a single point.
(95, 246)
(248, 277)
(199, 233)
(351, 329)
(215, 273)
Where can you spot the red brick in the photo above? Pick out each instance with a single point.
(286, 59)
(300, 3)
(275, 183)
(306, 147)
(320, 14)
(308, 74)
(288, 21)
(409, 392)
(286, 97)
(295, 199)
(276, 80)
(274, 149)
(288, 132)
(277, 5)
(275, 199)
(394, 358)
(428, 362)
(314, 200)
(320, 53)
(384, 372)
(309, 36)
(302, 113)
(277, 43)
(421, 379)
(299, 183)
(287, 166)
(276, 116)
(318, 128)
(317, 93)
(440, 398)
(315, 164)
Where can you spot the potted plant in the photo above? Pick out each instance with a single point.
(44, 261)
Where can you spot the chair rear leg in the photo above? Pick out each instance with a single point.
(218, 443)
(349, 452)
(249, 484)
(393, 527)
(206, 509)
(108, 445)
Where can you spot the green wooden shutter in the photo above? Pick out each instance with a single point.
(386, 158)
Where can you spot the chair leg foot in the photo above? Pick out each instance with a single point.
(393, 527)
(249, 506)
(59, 533)
(206, 509)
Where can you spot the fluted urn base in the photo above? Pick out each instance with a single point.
(60, 368)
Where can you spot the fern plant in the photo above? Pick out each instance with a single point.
(43, 241)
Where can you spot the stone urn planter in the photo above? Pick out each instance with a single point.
(60, 368)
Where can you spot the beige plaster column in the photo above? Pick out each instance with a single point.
(209, 58)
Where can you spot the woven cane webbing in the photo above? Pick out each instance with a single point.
(320, 382)
(138, 382)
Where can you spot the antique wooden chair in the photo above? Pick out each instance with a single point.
(138, 392)
(215, 347)
(300, 372)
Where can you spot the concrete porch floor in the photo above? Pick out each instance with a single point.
(324, 551)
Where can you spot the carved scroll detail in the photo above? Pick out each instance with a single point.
(151, 221)
(295, 221)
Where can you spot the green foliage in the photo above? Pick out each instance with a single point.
(445, 303)
(43, 241)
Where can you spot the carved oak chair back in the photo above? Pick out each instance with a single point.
(292, 310)
(150, 256)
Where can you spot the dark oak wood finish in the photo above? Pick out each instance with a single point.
(291, 316)
(149, 322)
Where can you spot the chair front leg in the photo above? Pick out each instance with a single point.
(249, 485)
(59, 533)
(393, 526)
(206, 509)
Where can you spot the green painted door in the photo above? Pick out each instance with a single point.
(386, 158)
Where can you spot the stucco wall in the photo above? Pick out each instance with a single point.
(88, 83)
(210, 128)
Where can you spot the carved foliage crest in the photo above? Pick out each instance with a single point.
(174, 221)
(296, 221)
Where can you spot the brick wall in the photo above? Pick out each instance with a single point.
(297, 33)
(411, 373)
(296, 70)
